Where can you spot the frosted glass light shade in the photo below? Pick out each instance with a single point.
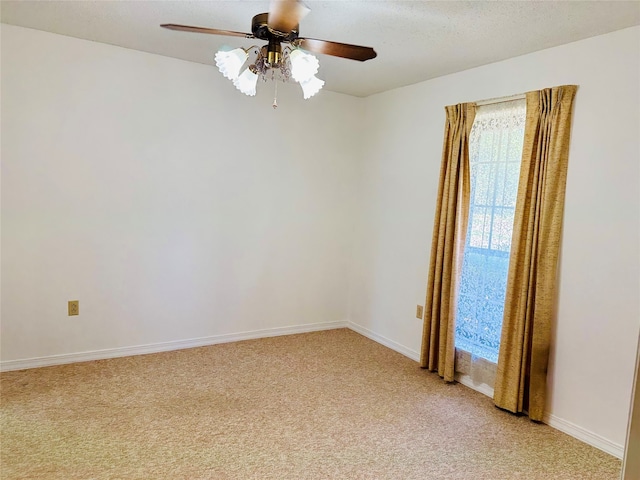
(303, 65)
(229, 63)
(246, 82)
(311, 87)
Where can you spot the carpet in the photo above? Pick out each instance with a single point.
(322, 405)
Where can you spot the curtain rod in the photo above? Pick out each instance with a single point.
(511, 98)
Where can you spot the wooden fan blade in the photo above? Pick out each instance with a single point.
(211, 31)
(344, 50)
(285, 15)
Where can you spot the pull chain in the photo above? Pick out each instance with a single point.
(275, 96)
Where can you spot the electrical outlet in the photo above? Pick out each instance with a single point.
(74, 307)
(419, 311)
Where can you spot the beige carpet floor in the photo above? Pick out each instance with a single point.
(324, 405)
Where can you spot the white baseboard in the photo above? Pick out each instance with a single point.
(22, 364)
(584, 435)
(467, 381)
(407, 352)
(564, 426)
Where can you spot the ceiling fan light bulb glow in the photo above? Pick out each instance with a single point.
(303, 65)
(311, 87)
(247, 82)
(229, 63)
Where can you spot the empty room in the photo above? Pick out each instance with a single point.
(320, 240)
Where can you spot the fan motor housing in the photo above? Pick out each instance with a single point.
(260, 29)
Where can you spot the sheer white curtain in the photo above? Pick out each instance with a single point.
(495, 153)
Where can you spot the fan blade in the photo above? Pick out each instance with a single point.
(344, 50)
(285, 15)
(212, 31)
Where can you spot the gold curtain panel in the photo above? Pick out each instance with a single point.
(521, 380)
(449, 230)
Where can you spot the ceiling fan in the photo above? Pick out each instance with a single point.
(273, 61)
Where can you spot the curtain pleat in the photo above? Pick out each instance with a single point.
(449, 230)
(521, 380)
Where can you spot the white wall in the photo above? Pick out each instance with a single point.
(593, 357)
(172, 206)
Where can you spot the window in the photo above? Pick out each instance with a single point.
(495, 151)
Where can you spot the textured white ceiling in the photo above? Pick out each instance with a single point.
(415, 40)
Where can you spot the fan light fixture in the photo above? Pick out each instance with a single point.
(247, 82)
(230, 62)
(311, 86)
(271, 62)
(303, 65)
(280, 25)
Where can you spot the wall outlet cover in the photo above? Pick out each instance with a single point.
(74, 307)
